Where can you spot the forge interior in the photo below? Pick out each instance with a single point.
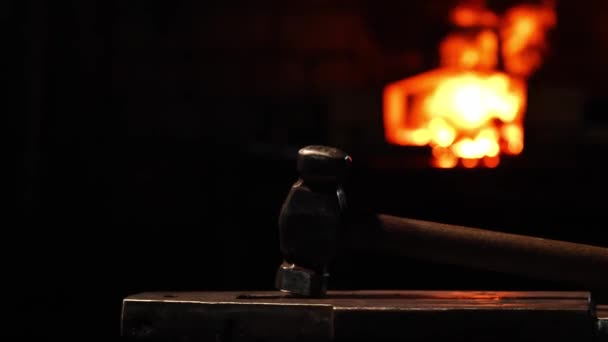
(155, 145)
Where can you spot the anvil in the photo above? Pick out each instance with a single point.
(365, 316)
(314, 220)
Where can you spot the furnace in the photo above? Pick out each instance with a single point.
(470, 110)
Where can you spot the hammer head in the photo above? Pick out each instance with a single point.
(311, 219)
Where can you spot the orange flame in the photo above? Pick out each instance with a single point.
(523, 34)
(468, 111)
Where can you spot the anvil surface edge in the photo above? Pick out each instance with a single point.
(364, 316)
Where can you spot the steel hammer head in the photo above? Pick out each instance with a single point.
(311, 219)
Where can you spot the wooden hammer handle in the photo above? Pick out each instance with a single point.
(539, 258)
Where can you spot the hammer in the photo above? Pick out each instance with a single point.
(315, 220)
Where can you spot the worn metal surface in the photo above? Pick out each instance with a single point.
(360, 316)
(294, 279)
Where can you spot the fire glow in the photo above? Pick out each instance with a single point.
(470, 110)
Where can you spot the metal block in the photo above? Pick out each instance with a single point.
(361, 316)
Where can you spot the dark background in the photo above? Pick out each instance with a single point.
(153, 144)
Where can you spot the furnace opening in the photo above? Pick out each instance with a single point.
(470, 110)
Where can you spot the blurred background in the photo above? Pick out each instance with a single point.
(154, 145)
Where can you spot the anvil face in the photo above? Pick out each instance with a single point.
(362, 316)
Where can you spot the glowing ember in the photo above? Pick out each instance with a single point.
(468, 111)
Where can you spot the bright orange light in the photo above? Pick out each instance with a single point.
(523, 33)
(468, 16)
(444, 158)
(514, 137)
(491, 162)
(470, 101)
(463, 51)
(469, 163)
(468, 110)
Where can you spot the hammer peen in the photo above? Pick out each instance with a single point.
(315, 221)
